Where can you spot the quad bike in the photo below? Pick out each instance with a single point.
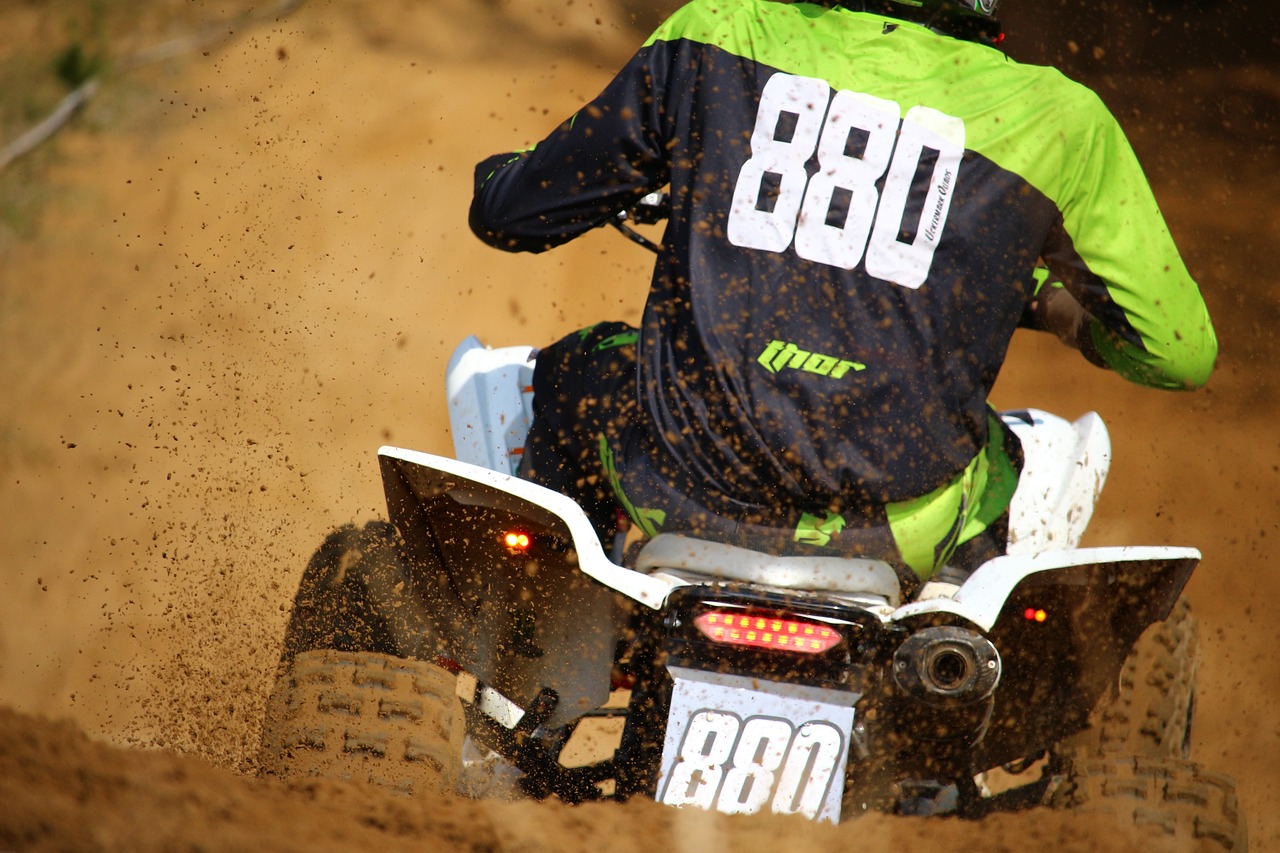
(484, 642)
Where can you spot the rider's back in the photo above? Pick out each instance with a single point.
(857, 206)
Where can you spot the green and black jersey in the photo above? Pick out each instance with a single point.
(857, 207)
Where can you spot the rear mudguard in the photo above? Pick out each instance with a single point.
(544, 617)
(519, 619)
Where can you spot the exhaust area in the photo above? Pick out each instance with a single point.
(947, 666)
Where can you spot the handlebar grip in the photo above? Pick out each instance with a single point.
(650, 209)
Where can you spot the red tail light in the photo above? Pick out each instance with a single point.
(767, 631)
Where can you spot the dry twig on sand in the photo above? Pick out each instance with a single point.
(46, 128)
(201, 40)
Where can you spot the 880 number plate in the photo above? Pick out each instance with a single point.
(739, 745)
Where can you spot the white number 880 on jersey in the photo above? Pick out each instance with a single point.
(839, 216)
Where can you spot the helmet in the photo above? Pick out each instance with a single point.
(982, 7)
(932, 7)
(973, 20)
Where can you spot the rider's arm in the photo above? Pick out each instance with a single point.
(602, 160)
(1055, 310)
(1142, 313)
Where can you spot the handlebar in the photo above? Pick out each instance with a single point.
(649, 210)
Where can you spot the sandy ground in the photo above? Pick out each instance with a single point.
(249, 271)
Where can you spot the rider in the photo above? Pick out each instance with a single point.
(866, 198)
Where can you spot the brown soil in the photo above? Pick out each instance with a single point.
(250, 267)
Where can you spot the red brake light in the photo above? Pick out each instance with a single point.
(767, 631)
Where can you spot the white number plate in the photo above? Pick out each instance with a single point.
(737, 745)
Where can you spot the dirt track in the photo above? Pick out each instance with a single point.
(248, 275)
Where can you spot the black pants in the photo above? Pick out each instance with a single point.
(584, 387)
(590, 441)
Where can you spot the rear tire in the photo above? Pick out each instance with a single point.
(364, 717)
(357, 595)
(1149, 715)
(1167, 803)
(1132, 762)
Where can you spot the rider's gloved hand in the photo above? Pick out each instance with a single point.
(1056, 311)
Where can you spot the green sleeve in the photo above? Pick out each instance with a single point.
(1117, 258)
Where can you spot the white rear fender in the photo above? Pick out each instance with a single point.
(411, 478)
(1143, 580)
(519, 618)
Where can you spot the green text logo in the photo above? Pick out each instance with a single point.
(780, 354)
(818, 531)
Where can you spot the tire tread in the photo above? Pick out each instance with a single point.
(1167, 799)
(362, 716)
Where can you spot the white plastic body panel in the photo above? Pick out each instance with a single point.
(979, 600)
(424, 469)
(720, 561)
(1066, 464)
(490, 403)
(981, 597)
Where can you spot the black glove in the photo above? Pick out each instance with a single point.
(1056, 311)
